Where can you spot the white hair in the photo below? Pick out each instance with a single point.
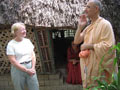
(16, 26)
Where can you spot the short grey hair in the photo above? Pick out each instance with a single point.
(98, 3)
(16, 26)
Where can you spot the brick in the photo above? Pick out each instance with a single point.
(42, 83)
(43, 77)
(46, 82)
(54, 77)
(9, 88)
(3, 83)
(2, 88)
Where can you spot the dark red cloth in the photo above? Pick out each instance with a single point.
(74, 71)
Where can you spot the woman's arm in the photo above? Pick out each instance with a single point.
(16, 64)
(33, 60)
(21, 67)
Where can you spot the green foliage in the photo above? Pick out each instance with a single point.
(101, 83)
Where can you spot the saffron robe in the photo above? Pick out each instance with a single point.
(100, 34)
(74, 71)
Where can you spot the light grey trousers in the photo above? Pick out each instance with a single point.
(20, 79)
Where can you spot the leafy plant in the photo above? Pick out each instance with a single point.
(102, 84)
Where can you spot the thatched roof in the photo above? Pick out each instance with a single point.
(45, 13)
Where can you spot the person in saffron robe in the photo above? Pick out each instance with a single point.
(73, 67)
(98, 38)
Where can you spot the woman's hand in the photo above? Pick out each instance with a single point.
(31, 71)
(75, 61)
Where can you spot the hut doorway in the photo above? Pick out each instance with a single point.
(45, 48)
(53, 45)
(61, 41)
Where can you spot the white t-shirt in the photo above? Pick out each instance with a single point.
(21, 50)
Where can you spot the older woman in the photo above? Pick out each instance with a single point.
(20, 52)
